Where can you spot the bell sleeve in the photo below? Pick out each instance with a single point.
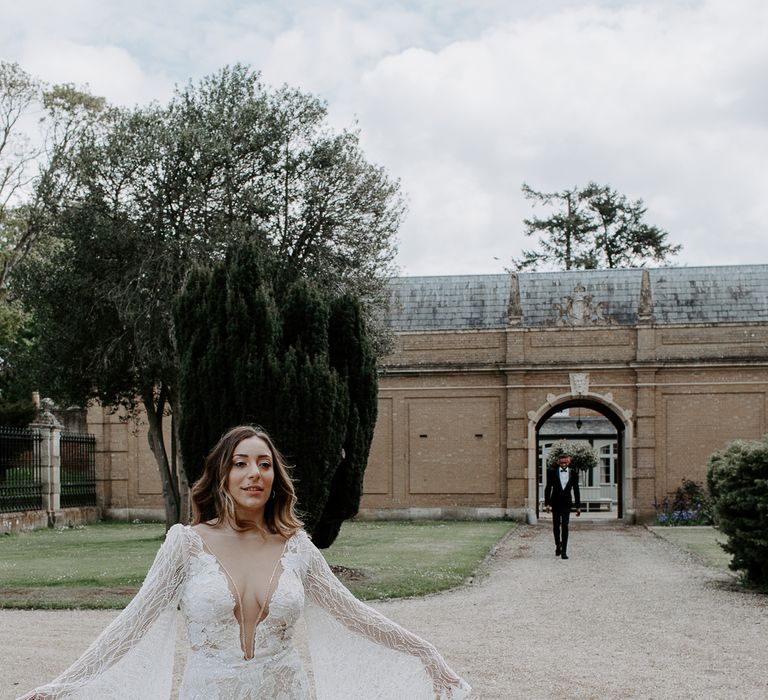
(133, 657)
(359, 653)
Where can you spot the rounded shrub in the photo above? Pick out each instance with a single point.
(737, 479)
(583, 457)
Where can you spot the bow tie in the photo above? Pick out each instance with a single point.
(563, 469)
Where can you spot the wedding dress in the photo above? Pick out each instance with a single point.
(357, 653)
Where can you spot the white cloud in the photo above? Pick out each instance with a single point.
(109, 71)
(659, 103)
(465, 100)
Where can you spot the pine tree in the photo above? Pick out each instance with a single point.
(589, 228)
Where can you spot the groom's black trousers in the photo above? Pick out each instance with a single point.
(560, 520)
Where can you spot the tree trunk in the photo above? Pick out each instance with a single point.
(154, 404)
(568, 233)
(185, 503)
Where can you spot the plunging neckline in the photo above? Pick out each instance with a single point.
(267, 605)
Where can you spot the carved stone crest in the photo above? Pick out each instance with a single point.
(579, 383)
(581, 310)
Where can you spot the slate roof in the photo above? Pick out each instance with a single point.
(710, 294)
(723, 294)
(451, 302)
(615, 292)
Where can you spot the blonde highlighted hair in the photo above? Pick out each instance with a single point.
(211, 501)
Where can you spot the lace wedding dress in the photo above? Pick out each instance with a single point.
(357, 653)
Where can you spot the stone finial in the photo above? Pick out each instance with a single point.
(45, 417)
(645, 306)
(514, 307)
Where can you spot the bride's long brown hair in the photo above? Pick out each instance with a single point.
(211, 500)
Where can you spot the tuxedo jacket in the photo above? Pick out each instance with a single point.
(560, 498)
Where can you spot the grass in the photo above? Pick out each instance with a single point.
(94, 566)
(702, 541)
(401, 559)
(102, 565)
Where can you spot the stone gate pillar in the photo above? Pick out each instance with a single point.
(48, 427)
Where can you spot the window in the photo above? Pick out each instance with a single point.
(607, 460)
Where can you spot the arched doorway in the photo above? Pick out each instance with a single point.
(620, 461)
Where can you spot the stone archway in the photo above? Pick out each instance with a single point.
(580, 395)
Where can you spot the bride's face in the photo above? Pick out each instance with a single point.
(250, 476)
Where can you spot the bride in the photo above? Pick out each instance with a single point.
(242, 575)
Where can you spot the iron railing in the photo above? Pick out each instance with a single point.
(20, 470)
(78, 469)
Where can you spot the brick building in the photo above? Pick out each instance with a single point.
(675, 359)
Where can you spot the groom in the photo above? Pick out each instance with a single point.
(561, 483)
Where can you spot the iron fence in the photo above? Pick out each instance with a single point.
(20, 470)
(78, 469)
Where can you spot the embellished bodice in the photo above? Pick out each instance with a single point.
(217, 664)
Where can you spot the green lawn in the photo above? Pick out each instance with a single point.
(106, 554)
(96, 566)
(413, 558)
(703, 541)
(101, 566)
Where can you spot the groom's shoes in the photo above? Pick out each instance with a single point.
(564, 555)
(558, 550)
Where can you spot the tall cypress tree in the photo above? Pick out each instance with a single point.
(226, 326)
(351, 355)
(194, 333)
(259, 347)
(252, 331)
(312, 403)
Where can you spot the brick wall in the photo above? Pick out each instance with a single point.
(453, 434)
(686, 390)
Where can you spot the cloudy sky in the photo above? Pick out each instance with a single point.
(464, 100)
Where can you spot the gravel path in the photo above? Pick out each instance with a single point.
(627, 616)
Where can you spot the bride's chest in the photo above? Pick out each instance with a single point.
(207, 600)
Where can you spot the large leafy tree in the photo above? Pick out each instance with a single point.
(592, 227)
(165, 188)
(41, 130)
(258, 344)
(38, 168)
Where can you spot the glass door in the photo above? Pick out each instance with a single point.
(606, 450)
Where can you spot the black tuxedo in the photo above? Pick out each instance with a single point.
(561, 500)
